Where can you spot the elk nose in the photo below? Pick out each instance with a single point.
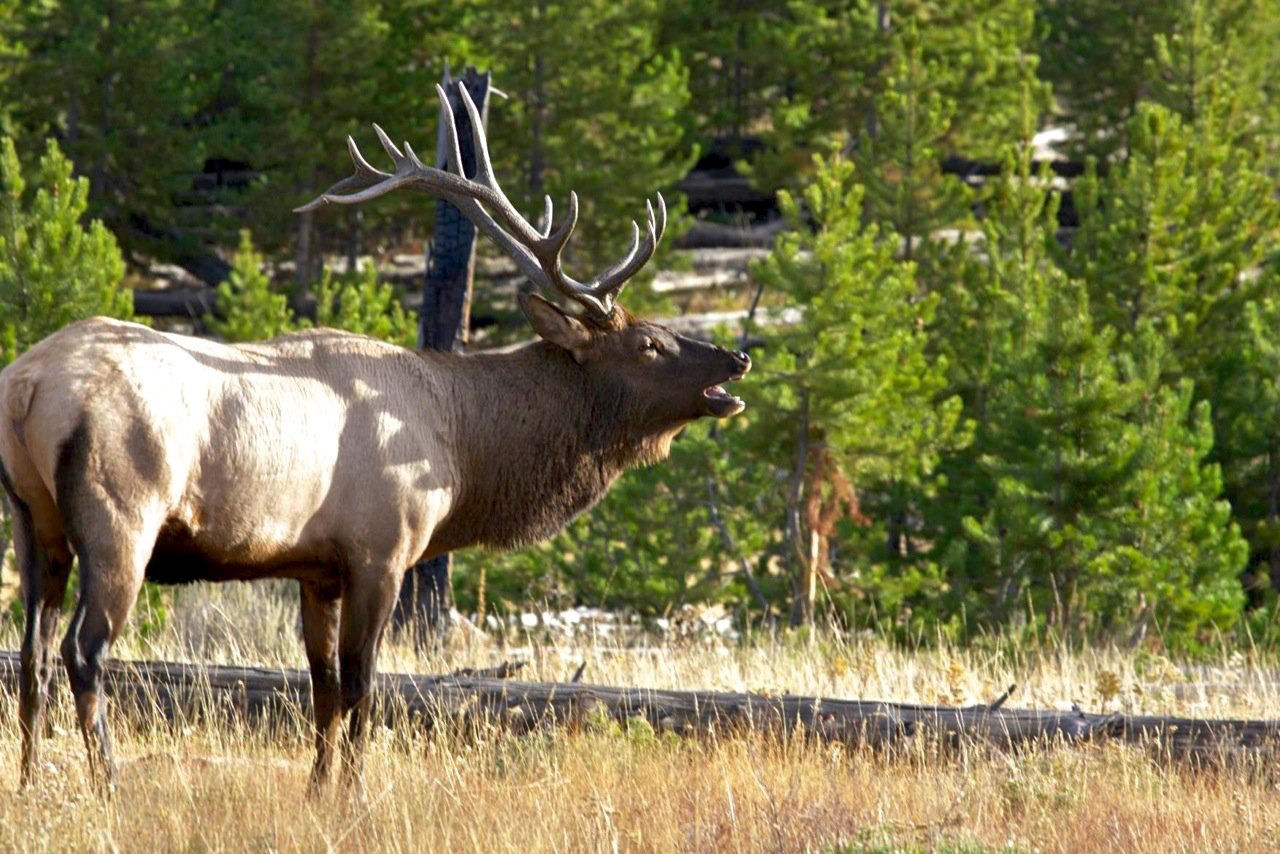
(744, 361)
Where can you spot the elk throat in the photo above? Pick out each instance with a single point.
(560, 448)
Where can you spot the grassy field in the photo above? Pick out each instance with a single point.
(606, 789)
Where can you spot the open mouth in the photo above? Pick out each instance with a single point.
(721, 403)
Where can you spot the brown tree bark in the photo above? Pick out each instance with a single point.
(147, 692)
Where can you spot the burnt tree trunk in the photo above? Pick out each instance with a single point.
(425, 598)
(151, 692)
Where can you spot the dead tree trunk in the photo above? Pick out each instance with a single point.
(150, 692)
(425, 598)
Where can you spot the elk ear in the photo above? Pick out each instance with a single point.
(554, 325)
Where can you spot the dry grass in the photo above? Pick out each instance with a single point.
(217, 788)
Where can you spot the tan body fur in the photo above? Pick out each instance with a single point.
(239, 448)
(323, 456)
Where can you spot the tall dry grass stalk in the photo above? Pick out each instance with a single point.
(212, 785)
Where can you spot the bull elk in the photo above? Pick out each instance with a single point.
(325, 456)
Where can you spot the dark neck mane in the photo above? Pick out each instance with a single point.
(537, 444)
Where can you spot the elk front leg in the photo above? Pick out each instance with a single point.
(366, 605)
(321, 612)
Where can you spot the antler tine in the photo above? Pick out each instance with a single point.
(548, 210)
(484, 165)
(548, 251)
(608, 283)
(485, 182)
(498, 203)
(363, 168)
(546, 243)
(621, 263)
(365, 176)
(388, 145)
(557, 237)
(412, 157)
(453, 149)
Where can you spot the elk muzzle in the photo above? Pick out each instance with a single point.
(720, 403)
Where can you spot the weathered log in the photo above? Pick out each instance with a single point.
(702, 325)
(722, 188)
(715, 235)
(711, 268)
(176, 302)
(181, 246)
(179, 693)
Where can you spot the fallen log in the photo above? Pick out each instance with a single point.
(180, 693)
(714, 235)
(177, 302)
(710, 268)
(722, 188)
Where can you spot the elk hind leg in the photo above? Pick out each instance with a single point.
(43, 571)
(108, 589)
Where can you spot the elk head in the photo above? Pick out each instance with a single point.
(669, 379)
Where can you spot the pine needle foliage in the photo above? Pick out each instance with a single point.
(54, 269)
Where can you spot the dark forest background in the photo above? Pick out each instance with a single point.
(1015, 339)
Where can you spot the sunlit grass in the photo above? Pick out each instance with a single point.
(215, 786)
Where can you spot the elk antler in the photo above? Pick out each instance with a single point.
(536, 252)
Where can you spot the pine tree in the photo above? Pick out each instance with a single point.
(1059, 450)
(593, 106)
(844, 397)
(990, 299)
(1190, 218)
(1200, 69)
(840, 56)
(1104, 58)
(53, 269)
(1095, 54)
(1029, 505)
(143, 95)
(251, 309)
(1089, 501)
(12, 55)
(733, 53)
(828, 55)
(1177, 566)
(1248, 424)
(1214, 70)
(900, 162)
(112, 82)
(1120, 245)
(310, 75)
(363, 304)
(1186, 218)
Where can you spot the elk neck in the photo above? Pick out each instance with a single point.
(538, 441)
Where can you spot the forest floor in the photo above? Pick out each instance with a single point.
(218, 787)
